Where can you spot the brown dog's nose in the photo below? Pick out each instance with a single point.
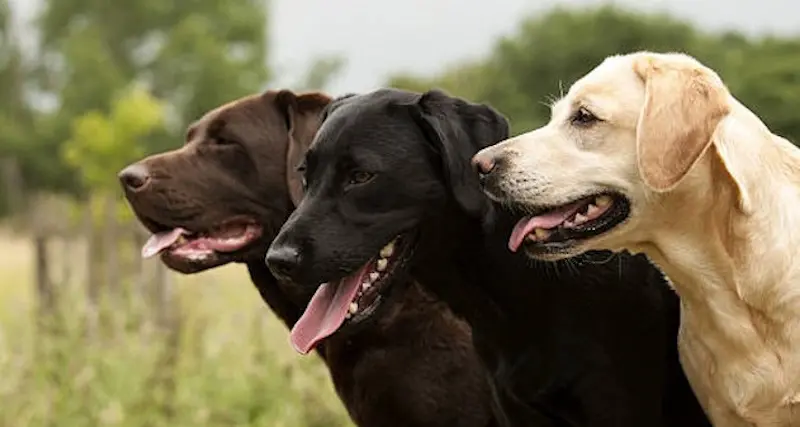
(134, 177)
(484, 163)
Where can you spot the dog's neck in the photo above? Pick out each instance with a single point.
(449, 262)
(463, 260)
(732, 263)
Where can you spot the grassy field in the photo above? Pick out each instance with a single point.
(231, 364)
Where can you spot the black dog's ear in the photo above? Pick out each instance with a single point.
(458, 129)
(302, 113)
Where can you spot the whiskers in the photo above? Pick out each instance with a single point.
(550, 100)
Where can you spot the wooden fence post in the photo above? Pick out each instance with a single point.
(12, 184)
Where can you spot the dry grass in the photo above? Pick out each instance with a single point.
(230, 365)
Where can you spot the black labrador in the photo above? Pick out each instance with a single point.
(390, 192)
(223, 196)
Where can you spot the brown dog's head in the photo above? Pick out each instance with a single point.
(224, 194)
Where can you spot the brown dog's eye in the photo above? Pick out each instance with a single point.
(583, 117)
(219, 140)
(360, 177)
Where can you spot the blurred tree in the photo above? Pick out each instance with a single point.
(16, 116)
(321, 72)
(193, 54)
(527, 70)
(765, 76)
(101, 142)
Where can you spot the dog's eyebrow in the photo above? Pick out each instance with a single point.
(216, 125)
(190, 132)
(557, 106)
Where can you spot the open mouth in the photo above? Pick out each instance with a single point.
(202, 246)
(554, 229)
(352, 299)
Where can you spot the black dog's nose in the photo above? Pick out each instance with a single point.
(283, 260)
(134, 177)
(484, 163)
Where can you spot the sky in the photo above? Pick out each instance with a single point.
(381, 37)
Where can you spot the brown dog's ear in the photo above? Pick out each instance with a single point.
(684, 103)
(303, 114)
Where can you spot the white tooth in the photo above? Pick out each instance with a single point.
(374, 276)
(353, 307)
(580, 219)
(530, 237)
(387, 250)
(541, 233)
(382, 264)
(365, 286)
(592, 211)
(569, 223)
(602, 201)
(348, 315)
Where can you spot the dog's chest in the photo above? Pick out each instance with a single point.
(739, 389)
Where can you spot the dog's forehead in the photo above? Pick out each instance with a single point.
(247, 109)
(356, 124)
(608, 88)
(233, 107)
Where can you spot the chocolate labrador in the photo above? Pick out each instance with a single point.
(223, 196)
(390, 193)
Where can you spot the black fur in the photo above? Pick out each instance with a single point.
(585, 342)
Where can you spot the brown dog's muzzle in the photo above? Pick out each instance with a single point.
(134, 178)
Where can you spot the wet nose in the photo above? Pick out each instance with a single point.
(134, 177)
(283, 260)
(484, 163)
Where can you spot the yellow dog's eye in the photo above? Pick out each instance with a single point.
(583, 117)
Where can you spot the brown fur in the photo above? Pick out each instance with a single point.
(416, 367)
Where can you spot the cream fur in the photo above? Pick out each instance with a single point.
(715, 203)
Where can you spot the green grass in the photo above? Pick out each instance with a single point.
(229, 365)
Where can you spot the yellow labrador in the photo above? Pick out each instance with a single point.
(651, 153)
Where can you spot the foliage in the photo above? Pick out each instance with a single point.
(527, 70)
(322, 72)
(102, 144)
(16, 117)
(193, 55)
(229, 363)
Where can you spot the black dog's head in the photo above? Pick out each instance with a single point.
(380, 165)
(224, 194)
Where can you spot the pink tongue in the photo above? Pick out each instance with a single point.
(326, 311)
(548, 220)
(160, 241)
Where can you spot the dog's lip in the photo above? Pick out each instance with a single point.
(366, 304)
(210, 247)
(407, 242)
(565, 237)
(192, 228)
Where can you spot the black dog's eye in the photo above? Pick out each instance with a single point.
(361, 177)
(583, 117)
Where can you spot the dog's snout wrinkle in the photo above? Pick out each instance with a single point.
(134, 177)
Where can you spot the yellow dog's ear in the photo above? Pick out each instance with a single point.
(684, 103)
